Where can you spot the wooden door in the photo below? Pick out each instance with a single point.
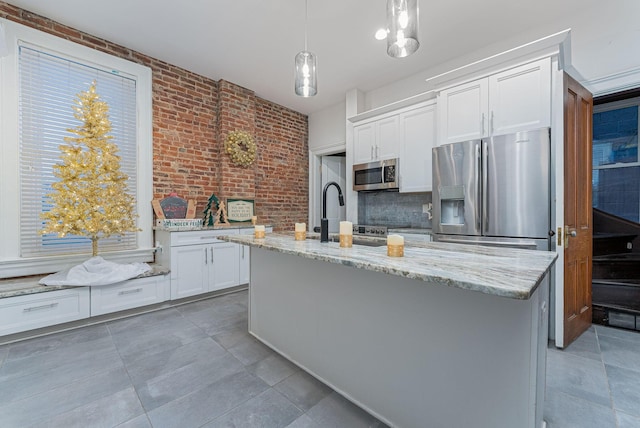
(578, 231)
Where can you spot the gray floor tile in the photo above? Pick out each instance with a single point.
(625, 389)
(141, 421)
(160, 363)
(304, 421)
(47, 405)
(578, 376)
(273, 369)
(336, 411)
(42, 362)
(269, 409)
(175, 384)
(620, 352)
(57, 341)
(617, 332)
(17, 388)
(627, 421)
(144, 322)
(566, 411)
(585, 346)
(208, 403)
(230, 338)
(303, 390)
(105, 412)
(250, 351)
(138, 343)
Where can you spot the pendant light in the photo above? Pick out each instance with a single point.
(402, 27)
(306, 79)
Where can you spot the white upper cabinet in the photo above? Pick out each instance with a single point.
(514, 100)
(463, 112)
(417, 138)
(375, 140)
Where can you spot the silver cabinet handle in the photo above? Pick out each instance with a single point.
(211, 255)
(206, 262)
(482, 123)
(377, 154)
(41, 307)
(243, 251)
(133, 291)
(371, 152)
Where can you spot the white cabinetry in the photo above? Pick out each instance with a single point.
(129, 294)
(199, 262)
(376, 139)
(37, 310)
(514, 100)
(417, 137)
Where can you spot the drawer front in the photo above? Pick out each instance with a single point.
(23, 313)
(129, 294)
(195, 237)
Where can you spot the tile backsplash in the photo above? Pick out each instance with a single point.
(393, 209)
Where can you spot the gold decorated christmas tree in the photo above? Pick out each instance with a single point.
(90, 199)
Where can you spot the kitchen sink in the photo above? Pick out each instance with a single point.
(369, 242)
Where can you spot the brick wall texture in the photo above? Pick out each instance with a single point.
(192, 115)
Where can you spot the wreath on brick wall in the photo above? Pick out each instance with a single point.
(240, 147)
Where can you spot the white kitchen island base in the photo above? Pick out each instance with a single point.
(412, 353)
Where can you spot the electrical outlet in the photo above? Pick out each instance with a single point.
(629, 246)
(426, 208)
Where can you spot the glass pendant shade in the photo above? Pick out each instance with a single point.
(306, 83)
(402, 26)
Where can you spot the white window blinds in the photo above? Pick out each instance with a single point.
(48, 85)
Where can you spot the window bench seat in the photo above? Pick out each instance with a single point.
(26, 305)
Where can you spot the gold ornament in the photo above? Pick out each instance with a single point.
(90, 199)
(240, 147)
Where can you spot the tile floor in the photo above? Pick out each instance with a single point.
(595, 381)
(196, 366)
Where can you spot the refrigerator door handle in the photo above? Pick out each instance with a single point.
(523, 244)
(483, 187)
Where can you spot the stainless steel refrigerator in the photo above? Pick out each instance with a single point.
(494, 191)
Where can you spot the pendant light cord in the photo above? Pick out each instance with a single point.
(306, 18)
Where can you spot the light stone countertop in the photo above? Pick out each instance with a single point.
(511, 273)
(24, 285)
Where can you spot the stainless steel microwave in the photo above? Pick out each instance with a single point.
(378, 175)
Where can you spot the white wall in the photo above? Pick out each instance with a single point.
(327, 128)
(605, 57)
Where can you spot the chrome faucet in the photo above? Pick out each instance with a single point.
(324, 223)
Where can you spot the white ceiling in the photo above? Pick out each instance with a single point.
(253, 43)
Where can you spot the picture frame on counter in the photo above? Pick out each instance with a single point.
(240, 210)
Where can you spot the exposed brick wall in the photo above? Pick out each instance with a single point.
(191, 117)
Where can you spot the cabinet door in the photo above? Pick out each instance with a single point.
(225, 266)
(520, 98)
(387, 141)
(190, 270)
(363, 142)
(417, 136)
(463, 112)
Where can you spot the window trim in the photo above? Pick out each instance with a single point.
(11, 264)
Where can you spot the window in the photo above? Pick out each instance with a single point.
(48, 88)
(616, 166)
(39, 81)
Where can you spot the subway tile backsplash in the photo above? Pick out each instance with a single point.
(393, 209)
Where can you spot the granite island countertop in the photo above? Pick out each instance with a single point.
(511, 273)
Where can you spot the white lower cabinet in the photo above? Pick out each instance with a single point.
(199, 262)
(21, 313)
(129, 294)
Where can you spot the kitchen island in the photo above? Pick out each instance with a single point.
(446, 336)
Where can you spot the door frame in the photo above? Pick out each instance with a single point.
(315, 181)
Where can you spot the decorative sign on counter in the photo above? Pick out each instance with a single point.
(239, 210)
(174, 207)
